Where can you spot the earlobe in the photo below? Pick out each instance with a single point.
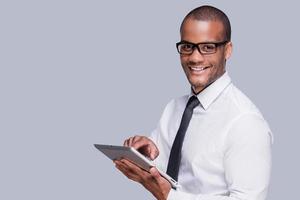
(228, 50)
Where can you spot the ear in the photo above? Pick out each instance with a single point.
(228, 50)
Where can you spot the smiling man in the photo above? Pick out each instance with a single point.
(214, 141)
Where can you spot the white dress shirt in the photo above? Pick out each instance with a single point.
(226, 153)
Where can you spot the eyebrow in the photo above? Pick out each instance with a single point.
(199, 42)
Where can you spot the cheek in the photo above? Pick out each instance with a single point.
(184, 64)
(183, 60)
(217, 61)
(217, 69)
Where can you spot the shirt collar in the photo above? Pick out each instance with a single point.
(212, 92)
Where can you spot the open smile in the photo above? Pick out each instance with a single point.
(198, 69)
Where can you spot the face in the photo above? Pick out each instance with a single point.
(202, 70)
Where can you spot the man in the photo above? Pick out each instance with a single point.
(218, 148)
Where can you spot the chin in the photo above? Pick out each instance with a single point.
(198, 82)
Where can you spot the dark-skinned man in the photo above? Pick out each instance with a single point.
(214, 141)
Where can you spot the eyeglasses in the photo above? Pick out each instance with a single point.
(187, 48)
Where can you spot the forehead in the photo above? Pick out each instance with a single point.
(202, 31)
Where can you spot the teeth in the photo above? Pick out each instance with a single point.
(198, 68)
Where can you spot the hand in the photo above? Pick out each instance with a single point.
(144, 145)
(153, 181)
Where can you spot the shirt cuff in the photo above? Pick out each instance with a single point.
(171, 195)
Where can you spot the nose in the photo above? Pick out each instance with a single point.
(196, 56)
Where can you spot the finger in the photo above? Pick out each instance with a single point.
(160, 180)
(154, 172)
(128, 171)
(147, 147)
(125, 143)
(120, 166)
(139, 174)
(130, 141)
(136, 138)
(123, 168)
(139, 142)
(153, 151)
(131, 166)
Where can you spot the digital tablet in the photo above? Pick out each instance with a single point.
(119, 152)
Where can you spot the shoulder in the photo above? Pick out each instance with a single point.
(236, 104)
(247, 122)
(240, 101)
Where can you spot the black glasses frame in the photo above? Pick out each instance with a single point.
(196, 45)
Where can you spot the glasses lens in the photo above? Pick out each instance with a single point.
(185, 48)
(208, 48)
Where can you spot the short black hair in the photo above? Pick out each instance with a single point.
(210, 13)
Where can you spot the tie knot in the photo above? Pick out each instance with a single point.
(193, 102)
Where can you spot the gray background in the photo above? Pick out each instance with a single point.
(75, 73)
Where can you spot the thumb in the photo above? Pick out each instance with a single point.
(154, 172)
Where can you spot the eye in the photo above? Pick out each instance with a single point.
(208, 48)
(186, 47)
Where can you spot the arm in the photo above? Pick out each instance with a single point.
(247, 162)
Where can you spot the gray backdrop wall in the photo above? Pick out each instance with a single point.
(75, 73)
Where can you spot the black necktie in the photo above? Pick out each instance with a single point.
(175, 154)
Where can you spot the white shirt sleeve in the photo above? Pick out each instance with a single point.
(247, 162)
